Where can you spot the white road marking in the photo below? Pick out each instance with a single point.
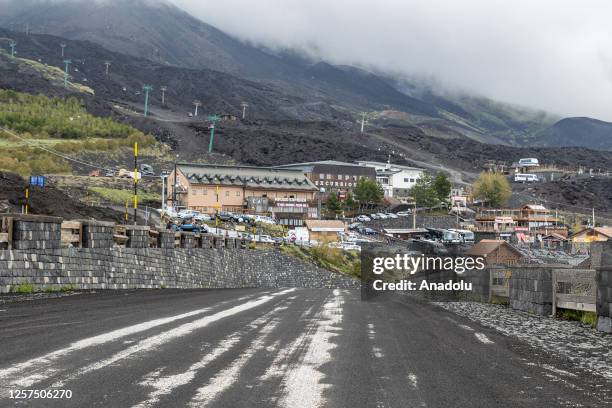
(483, 338)
(303, 384)
(465, 327)
(39, 368)
(412, 378)
(228, 377)
(279, 365)
(377, 352)
(153, 342)
(165, 385)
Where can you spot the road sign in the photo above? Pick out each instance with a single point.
(38, 181)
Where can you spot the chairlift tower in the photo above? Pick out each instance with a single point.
(107, 64)
(213, 119)
(197, 104)
(67, 63)
(12, 44)
(163, 90)
(146, 89)
(62, 45)
(244, 108)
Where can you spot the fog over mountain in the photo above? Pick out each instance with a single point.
(548, 54)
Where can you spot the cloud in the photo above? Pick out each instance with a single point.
(550, 54)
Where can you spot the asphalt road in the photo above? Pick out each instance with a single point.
(269, 348)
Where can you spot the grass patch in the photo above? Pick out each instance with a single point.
(23, 288)
(68, 288)
(120, 196)
(333, 259)
(588, 318)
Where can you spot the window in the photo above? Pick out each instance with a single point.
(406, 180)
(194, 191)
(237, 193)
(329, 176)
(227, 193)
(205, 191)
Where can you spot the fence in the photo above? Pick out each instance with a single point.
(574, 289)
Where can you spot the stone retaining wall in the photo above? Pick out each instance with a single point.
(531, 289)
(128, 268)
(604, 287)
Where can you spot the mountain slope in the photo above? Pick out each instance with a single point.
(585, 132)
(284, 85)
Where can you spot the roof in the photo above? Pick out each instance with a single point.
(538, 207)
(324, 166)
(376, 164)
(487, 246)
(405, 230)
(325, 225)
(607, 231)
(246, 176)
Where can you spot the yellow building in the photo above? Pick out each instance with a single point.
(325, 230)
(287, 194)
(589, 235)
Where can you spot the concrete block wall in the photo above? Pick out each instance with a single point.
(35, 231)
(138, 236)
(165, 239)
(187, 239)
(97, 234)
(604, 287)
(531, 289)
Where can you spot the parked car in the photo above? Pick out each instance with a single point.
(266, 239)
(147, 170)
(202, 217)
(355, 225)
(406, 213)
(224, 216)
(368, 231)
(363, 218)
(375, 216)
(188, 214)
(264, 219)
(391, 215)
(382, 216)
(109, 173)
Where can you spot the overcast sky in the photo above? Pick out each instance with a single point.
(551, 54)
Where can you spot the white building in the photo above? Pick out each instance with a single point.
(396, 180)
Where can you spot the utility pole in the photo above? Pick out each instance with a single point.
(414, 216)
(594, 218)
(12, 44)
(107, 64)
(164, 89)
(63, 46)
(244, 107)
(197, 103)
(214, 119)
(67, 62)
(135, 181)
(174, 185)
(146, 89)
(363, 121)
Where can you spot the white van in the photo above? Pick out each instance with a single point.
(525, 178)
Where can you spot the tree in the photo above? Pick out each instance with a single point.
(442, 186)
(368, 192)
(492, 188)
(423, 192)
(349, 203)
(334, 207)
